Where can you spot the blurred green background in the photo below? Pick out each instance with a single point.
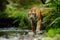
(13, 13)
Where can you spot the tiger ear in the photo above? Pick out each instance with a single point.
(29, 11)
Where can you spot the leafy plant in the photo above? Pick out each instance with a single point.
(51, 33)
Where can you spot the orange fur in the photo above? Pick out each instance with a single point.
(37, 11)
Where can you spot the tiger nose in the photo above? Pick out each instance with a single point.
(31, 18)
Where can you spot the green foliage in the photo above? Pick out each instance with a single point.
(51, 33)
(56, 21)
(3, 15)
(52, 20)
(58, 37)
(20, 16)
(2, 33)
(57, 30)
(3, 4)
(51, 17)
(25, 3)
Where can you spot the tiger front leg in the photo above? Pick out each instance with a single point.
(38, 27)
(33, 28)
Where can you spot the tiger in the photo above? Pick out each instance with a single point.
(35, 14)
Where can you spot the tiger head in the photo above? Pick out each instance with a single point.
(32, 15)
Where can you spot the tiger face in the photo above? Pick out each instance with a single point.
(32, 15)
